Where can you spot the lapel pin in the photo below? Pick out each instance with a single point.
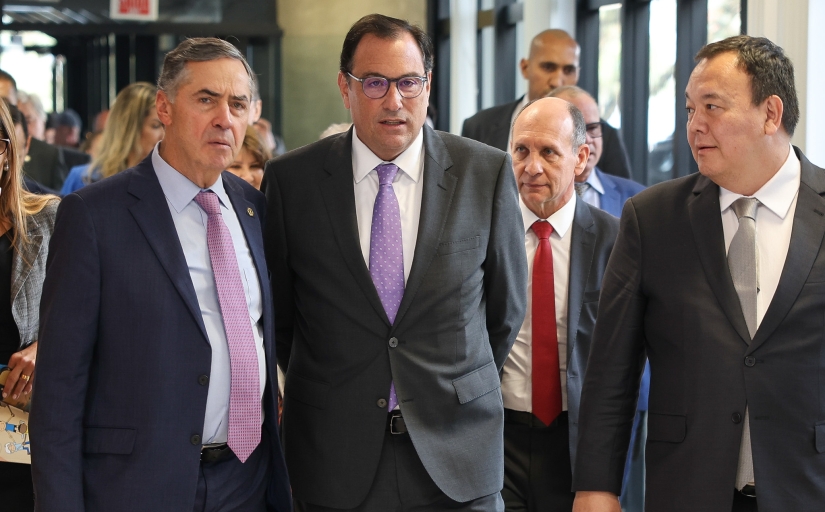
(250, 212)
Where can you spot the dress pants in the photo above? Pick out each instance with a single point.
(402, 484)
(537, 472)
(232, 486)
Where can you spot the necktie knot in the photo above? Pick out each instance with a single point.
(208, 200)
(581, 188)
(745, 207)
(386, 173)
(542, 229)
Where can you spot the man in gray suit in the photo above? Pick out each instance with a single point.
(568, 243)
(720, 278)
(400, 286)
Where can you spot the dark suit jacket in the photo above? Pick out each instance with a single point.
(492, 127)
(463, 305)
(592, 238)
(667, 291)
(120, 401)
(616, 191)
(49, 165)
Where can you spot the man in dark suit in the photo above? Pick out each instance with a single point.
(718, 278)
(553, 62)
(568, 243)
(156, 381)
(401, 286)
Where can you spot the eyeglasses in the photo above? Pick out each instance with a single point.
(4, 145)
(594, 130)
(376, 87)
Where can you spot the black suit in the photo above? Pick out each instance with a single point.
(668, 292)
(49, 165)
(492, 127)
(462, 307)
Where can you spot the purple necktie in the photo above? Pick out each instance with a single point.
(245, 388)
(386, 250)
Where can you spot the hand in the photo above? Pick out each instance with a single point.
(21, 376)
(596, 501)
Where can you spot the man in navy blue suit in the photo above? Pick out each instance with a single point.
(156, 383)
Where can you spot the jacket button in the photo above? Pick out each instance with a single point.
(736, 418)
(381, 402)
(750, 361)
(393, 342)
(195, 439)
(203, 380)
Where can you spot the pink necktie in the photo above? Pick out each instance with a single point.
(245, 391)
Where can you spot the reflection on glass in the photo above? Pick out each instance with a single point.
(661, 119)
(610, 63)
(723, 19)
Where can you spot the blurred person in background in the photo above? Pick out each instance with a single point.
(68, 128)
(249, 164)
(31, 107)
(132, 131)
(23, 143)
(334, 128)
(26, 223)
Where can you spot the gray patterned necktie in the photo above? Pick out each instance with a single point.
(581, 188)
(743, 263)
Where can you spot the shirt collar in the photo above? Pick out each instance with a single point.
(561, 220)
(364, 160)
(178, 189)
(594, 181)
(778, 193)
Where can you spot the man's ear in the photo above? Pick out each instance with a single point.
(523, 63)
(581, 158)
(164, 107)
(343, 86)
(773, 114)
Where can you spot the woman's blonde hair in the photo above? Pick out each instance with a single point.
(253, 143)
(121, 137)
(16, 203)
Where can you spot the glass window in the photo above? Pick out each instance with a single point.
(724, 19)
(32, 71)
(610, 63)
(661, 119)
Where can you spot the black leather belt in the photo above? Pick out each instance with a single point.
(216, 453)
(530, 419)
(395, 423)
(748, 491)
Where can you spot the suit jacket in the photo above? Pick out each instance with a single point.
(28, 271)
(594, 233)
(668, 291)
(124, 359)
(492, 127)
(49, 165)
(616, 191)
(463, 305)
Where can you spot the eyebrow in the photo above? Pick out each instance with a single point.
(379, 75)
(214, 94)
(706, 96)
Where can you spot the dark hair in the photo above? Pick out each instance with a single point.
(384, 27)
(17, 118)
(770, 70)
(4, 75)
(197, 49)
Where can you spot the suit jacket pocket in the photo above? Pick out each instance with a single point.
(669, 428)
(477, 383)
(459, 245)
(310, 392)
(117, 441)
(819, 430)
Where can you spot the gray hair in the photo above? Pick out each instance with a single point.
(197, 49)
(34, 101)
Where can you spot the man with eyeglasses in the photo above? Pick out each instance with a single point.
(553, 62)
(401, 285)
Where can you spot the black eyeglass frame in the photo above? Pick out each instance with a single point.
(389, 81)
(592, 127)
(8, 143)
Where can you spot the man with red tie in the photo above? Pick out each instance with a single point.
(568, 243)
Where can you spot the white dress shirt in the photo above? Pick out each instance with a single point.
(190, 223)
(593, 194)
(408, 186)
(774, 221)
(517, 375)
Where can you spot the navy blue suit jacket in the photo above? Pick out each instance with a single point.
(616, 191)
(121, 394)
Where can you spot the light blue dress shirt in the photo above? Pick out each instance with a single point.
(190, 222)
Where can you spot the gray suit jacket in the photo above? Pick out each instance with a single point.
(28, 271)
(463, 305)
(668, 292)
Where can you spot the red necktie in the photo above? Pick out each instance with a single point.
(546, 373)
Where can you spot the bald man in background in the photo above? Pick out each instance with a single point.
(553, 62)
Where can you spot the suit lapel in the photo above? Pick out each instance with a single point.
(21, 265)
(339, 197)
(152, 216)
(582, 245)
(806, 240)
(435, 205)
(706, 223)
(610, 198)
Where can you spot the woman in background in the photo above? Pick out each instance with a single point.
(249, 164)
(131, 132)
(26, 223)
